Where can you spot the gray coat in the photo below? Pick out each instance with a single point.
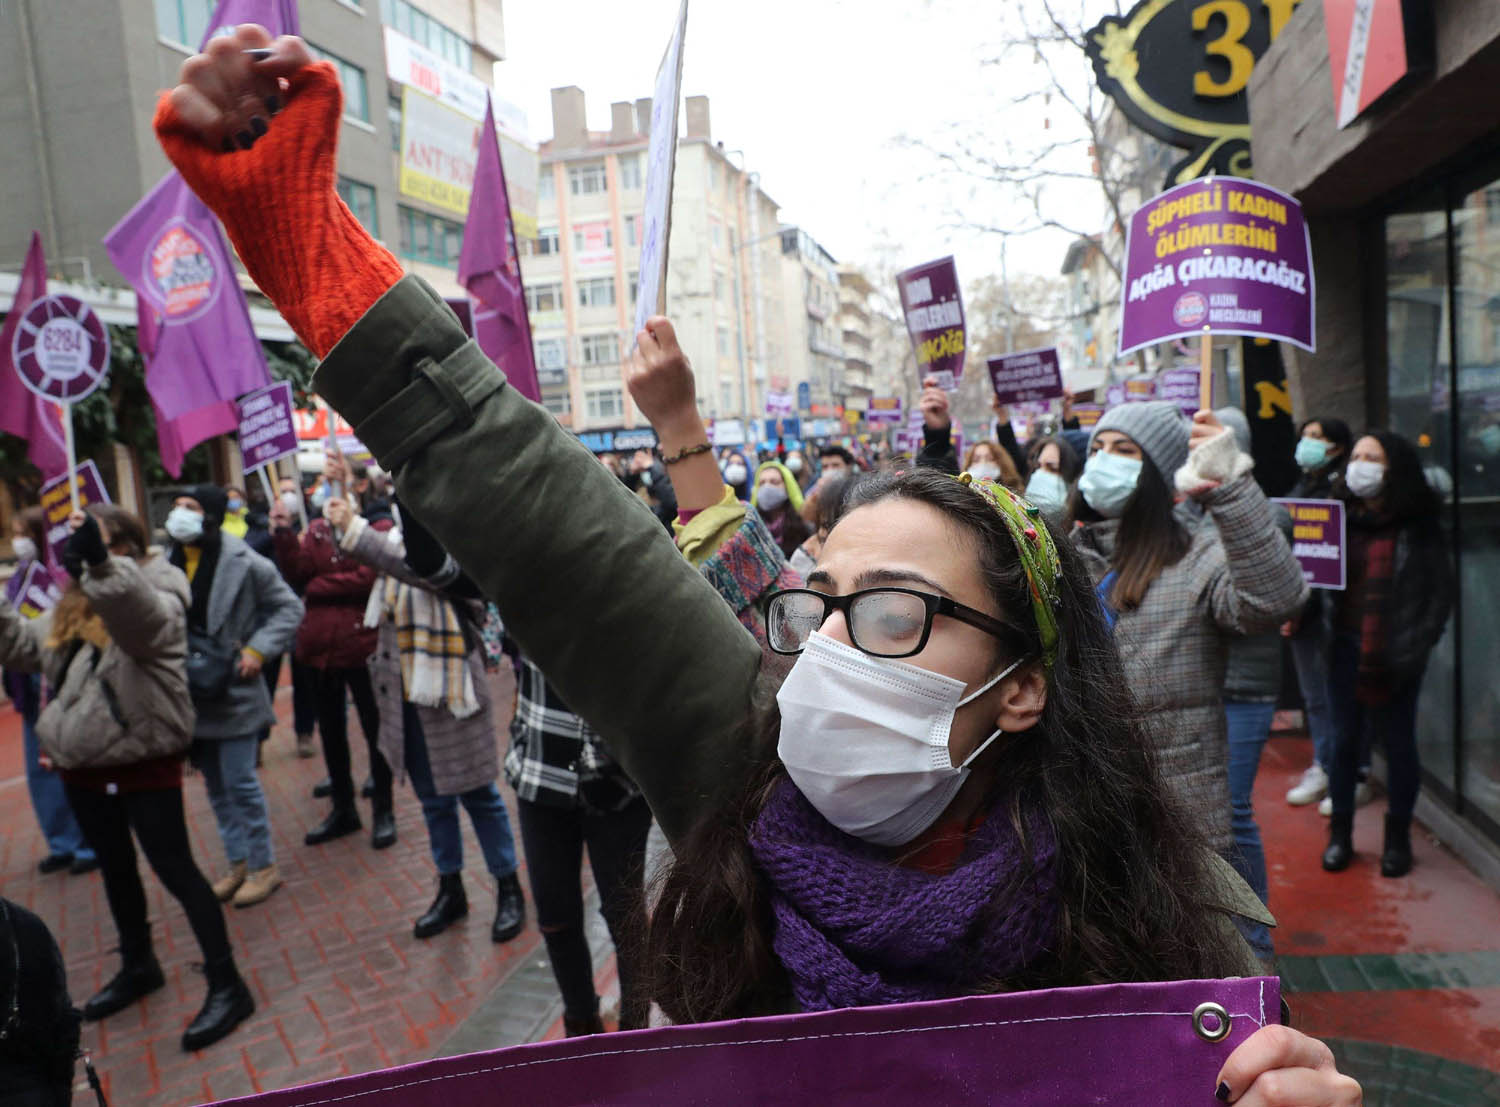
(250, 606)
(1255, 660)
(1237, 577)
(463, 753)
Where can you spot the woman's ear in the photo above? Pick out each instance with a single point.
(1023, 697)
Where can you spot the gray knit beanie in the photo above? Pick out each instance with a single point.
(1159, 428)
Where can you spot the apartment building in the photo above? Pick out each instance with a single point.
(857, 336)
(814, 331)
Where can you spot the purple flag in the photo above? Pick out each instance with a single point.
(277, 16)
(490, 268)
(23, 412)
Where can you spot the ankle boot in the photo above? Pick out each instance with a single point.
(578, 1027)
(1395, 859)
(450, 905)
(138, 977)
(1340, 851)
(323, 788)
(229, 1003)
(510, 909)
(383, 828)
(340, 821)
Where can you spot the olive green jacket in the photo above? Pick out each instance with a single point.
(581, 570)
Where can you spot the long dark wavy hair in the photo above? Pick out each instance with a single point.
(1150, 537)
(1131, 879)
(1407, 497)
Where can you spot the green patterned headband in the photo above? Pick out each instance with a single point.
(1038, 554)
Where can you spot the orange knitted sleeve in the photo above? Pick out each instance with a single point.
(278, 202)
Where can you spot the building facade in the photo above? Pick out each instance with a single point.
(857, 337)
(814, 333)
(1403, 207)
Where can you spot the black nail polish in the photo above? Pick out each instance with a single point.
(1221, 1093)
(257, 125)
(273, 103)
(245, 139)
(259, 53)
(228, 145)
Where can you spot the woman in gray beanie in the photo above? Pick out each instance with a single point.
(1177, 593)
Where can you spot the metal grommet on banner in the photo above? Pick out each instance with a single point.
(1211, 1022)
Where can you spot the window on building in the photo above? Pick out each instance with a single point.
(544, 297)
(430, 238)
(441, 40)
(361, 201)
(393, 117)
(599, 349)
(596, 292)
(352, 77)
(547, 242)
(551, 353)
(724, 341)
(731, 240)
(630, 171)
(546, 184)
(726, 397)
(183, 21)
(721, 287)
(713, 174)
(586, 180)
(605, 403)
(632, 233)
(633, 279)
(581, 243)
(558, 403)
(717, 230)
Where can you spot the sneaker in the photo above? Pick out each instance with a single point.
(228, 884)
(1312, 787)
(258, 887)
(1362, 796)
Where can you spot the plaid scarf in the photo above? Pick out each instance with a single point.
(1374, 685)
(430, 642)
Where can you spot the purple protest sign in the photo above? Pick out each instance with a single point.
(34, 591)
(1179, 386)
(1318, 541)
(934, 311)
(884, 410)
(779, 403)
(61, 350)
(1026, 376)
(1220, 254)
(1115, 1043)
(1137, 390)
(267, 433)
(55, 498)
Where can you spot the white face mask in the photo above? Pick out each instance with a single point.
(768, 497)
(794, 464)
(1047, 490)
(23, 548)
(1108, 482)
(734, 474)
(985, 470)
(865, 739)
(184, 524)
(292, 502)
(1365, 478)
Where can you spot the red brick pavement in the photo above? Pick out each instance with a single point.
(340, 984)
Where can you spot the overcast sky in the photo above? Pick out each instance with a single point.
(817, 94)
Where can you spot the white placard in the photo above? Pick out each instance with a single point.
(661, 161)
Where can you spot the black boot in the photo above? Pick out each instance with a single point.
(383, 828)
(1395, 859)
(450, 905)
(1340, 851)
(323, 789)
(229, 1003)
(578, 1027)
(510, 909)
(139, 976)
(367, 790)
(340, 821)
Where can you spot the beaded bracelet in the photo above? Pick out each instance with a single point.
(686, 452)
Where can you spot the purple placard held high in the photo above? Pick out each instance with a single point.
(935, 320)
(267, 430)
(56, 503)
(1179, 386)
(1026, 376)
(884, 411)
(1220, 254)
(1318, 541)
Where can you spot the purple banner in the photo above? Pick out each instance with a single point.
(267, 433)
(1117, 1043)
(1179, 386)
(1318, 541)
(885, 410)
(935, 320)
(23, 412)
(1220, 254)
(1137, 390)
(57, 504)
(34, 592)
(779, 403)
(1026, 376)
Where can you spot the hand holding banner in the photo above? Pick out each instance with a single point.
(661, 162)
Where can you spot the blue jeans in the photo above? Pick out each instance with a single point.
(1394, 721)
(1249, 727)
(49, 802)
(234, 792)
(1310, 659)
(485, 806)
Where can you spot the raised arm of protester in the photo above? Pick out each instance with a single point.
(937, 430)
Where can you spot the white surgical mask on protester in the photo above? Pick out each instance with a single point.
(735, 474)
(865, 739)
(23, 548)
(184, 524)
(794, 464)
(291, 501)
(1311, 453)
(984, 470)
(1109, 481)
(1365, 478)
(1047, 490)
(768, 497)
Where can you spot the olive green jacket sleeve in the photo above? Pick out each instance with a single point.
(632, 637)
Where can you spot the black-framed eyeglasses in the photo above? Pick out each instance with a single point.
(882, 622)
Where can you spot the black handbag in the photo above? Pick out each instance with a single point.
(210, 665)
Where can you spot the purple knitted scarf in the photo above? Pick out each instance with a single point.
(855, 930)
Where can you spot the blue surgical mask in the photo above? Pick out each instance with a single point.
(235, 504)
(1108, 482)
(1047, 491)
(1311, 453)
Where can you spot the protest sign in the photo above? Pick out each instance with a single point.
(266, 429)
(934, 309)
(1221, 255)
(779, 403)
(36, 592)
(1180, 386)
(1114, 1043)
(1318, 541)
(661, 162)
(439, 146)
(1138, 390)
(1087, 414)
(59, 497)
(1026, 375)
(884, 410)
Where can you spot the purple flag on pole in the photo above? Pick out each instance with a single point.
(23, 412)
(490, 268)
